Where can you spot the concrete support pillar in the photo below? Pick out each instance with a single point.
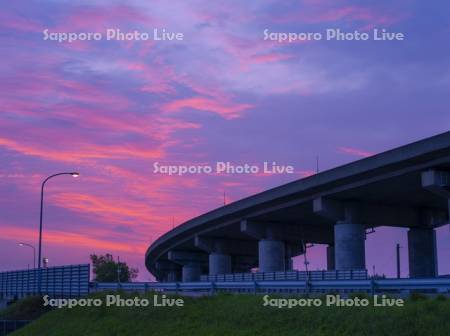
(271, 255)
(422, 253)
(172, 276)
(192, 263)
(168, 271)
(330, 258)
(191, 272)
(289, 264)
(219, 263)
(349, 246)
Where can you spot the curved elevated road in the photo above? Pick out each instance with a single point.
(405, 187)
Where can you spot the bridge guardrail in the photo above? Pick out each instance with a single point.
(289, 275)
(441, 285)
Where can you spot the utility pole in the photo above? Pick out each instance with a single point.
(224, 198)
(317, 164)
(397, 249)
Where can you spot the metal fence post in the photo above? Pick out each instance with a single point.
(372, 286)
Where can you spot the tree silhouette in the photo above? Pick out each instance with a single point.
(106, 269)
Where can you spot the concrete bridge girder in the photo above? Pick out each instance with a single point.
(351, 219)
(187, 257)
(168, 270)
(288, 232)
(192, 263)
(349, 233)
(437, 182)
(226, 246)
(227, 254)
(373, 215)
(405, 187)
(222, 250)
(277, 244)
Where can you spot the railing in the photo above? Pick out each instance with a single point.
(441, 285)
(62, 281)
(73, 281)
(289, 275)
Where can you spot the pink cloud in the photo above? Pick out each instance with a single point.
(355, 151)
(112, 209)
(224, 109)
(100, 18)
(321, 12)
(16, 22)
(64, 239)
(268, 58)
(81, 151)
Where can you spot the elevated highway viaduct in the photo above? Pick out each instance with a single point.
(404, 187)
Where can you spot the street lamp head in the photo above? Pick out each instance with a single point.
(75, 174)
(20, 244)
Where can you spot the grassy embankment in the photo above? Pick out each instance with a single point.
(245, 315)
(27, 309)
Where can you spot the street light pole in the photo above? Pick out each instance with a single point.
(34, 252)
(74, 174)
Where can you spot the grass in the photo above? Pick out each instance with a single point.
(27, 309)
(245, 315)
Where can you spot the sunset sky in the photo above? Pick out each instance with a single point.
(110, 109)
